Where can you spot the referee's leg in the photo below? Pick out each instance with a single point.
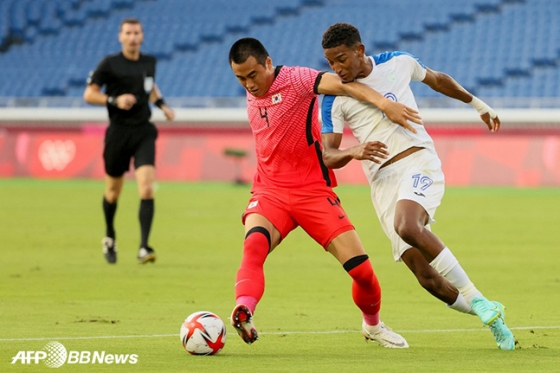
(145, 178)
(144, 164)
(113, 187)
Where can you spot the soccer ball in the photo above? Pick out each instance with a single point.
(203, 333)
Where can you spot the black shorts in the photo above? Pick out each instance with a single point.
(125, 142)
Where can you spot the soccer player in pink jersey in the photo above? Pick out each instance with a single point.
(292, 187)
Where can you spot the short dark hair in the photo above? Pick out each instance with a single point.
(132, 21)
(244, 48)
(341, 34)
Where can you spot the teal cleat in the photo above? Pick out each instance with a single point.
(486, 310)
(501, 308)
(503, 336)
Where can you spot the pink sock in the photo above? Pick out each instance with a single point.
(366, 291)
(371, 320)
(251, 303)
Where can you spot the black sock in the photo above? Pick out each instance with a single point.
(146, 215)
(109, 210)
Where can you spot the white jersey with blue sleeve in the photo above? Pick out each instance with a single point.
(391, 76)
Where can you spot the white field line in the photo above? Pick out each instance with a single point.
(270, 333)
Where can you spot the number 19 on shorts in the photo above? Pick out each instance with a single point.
(421, 181)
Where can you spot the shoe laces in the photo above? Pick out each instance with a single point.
(480, 302)
(382, 328)
(497, 330)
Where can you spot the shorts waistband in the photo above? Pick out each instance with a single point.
(402, 163)
(402, 155)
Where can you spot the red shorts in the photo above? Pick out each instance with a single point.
(317, 211)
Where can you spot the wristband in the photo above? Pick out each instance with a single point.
(112, 100)
(159, 102)
(481, 107)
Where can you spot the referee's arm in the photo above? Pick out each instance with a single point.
(157, 98)
(93, 95)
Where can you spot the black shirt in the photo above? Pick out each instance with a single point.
(121, 75)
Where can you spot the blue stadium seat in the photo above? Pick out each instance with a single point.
(492, 47)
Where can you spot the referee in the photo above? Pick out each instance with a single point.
(128, 78)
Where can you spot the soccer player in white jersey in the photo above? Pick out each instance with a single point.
(402, 166)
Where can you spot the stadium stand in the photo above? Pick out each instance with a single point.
(496, 48)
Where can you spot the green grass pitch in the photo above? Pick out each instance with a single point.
(56, 286)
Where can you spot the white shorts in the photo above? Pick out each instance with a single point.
(417, 177)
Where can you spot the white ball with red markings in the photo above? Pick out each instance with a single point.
(203, 333)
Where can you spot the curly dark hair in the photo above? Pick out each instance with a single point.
(244, 48)
(341, 34)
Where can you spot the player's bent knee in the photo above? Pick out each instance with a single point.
(408, 231)
(361, 271)
(255, 234)
(355, 262)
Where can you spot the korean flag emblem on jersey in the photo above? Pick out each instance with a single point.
(276, 99)
(148, 84)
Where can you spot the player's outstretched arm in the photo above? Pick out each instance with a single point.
(333, 157)
(445, 84)
(398, 113)
(157, 98)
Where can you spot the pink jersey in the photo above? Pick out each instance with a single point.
(287, 133)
